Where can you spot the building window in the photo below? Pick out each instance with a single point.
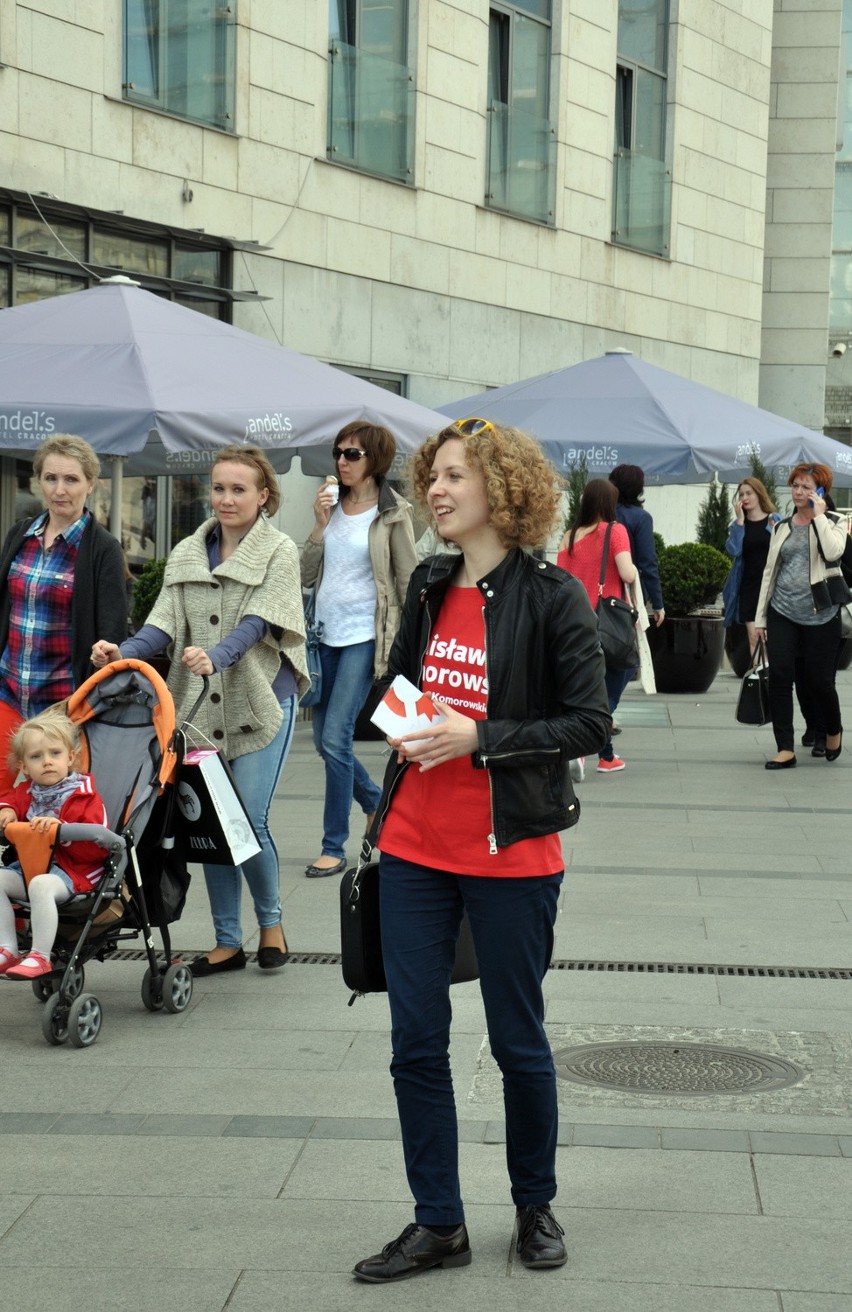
(642, 181)
(179, 57)
(370, 87)
(521, 146)
(48, 248)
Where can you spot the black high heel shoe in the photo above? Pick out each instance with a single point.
(832, 753)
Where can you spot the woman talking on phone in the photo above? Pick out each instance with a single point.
(359, 556)
(796, 614)
(748, 546)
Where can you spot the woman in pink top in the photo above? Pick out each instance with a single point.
(580, 554)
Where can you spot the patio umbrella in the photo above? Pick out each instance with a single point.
(617, 409)
(163, 386)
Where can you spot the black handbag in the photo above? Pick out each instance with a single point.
(616, 623)
(753, 701)
(313, 695)
(361, 958)
(833, 590)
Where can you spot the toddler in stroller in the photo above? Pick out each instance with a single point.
(45, 749)
(127, 873)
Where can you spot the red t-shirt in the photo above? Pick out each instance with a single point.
(584, 562)
(441, 818)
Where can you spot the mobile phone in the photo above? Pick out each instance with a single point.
(820, 492)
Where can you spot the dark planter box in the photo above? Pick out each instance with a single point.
(737, 649)
(687, 653)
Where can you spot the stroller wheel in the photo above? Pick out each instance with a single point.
(54, 1021)
(75, 982)
(44, 985)
(85, 1017)
(177, 987)
(152, 991)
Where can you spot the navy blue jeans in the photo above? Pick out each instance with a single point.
(512, 922)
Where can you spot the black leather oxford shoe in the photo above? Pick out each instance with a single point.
(417, 1249)
(539, 1242)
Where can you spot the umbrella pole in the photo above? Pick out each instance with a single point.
(116, 497)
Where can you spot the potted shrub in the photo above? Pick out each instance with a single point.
(146, 590)
(687, 649)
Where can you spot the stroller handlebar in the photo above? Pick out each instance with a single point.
(205, 688)
(105, 838)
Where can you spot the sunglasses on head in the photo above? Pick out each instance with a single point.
(350, 453)
(472, 427)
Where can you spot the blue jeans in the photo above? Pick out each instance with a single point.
(512, 922)
(347, 676)
(616, 681)
(257, 775)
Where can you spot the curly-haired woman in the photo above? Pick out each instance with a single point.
(506, 646)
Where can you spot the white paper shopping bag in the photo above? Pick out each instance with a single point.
(216, 826)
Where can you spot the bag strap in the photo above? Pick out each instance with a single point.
(364, 857)
(834, 564)
(604, 558)
(758, 657)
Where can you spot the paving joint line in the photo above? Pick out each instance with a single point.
(386, 1129)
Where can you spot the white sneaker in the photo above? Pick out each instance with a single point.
(577, 769)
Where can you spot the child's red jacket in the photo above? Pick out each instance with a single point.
(83, 862)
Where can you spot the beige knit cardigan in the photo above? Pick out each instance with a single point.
(198, 607)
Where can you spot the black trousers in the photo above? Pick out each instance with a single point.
(815, 648)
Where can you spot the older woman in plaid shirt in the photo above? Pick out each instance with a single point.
(61, 587)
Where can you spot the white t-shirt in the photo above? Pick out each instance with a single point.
(346, 601)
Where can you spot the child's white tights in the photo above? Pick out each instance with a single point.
(46, 894)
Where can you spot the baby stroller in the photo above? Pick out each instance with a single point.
(128, 741)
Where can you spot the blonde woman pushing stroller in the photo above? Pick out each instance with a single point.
(45, 749)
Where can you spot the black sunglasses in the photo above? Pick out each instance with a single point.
(350, 453)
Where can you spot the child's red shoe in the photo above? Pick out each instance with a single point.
(8, 959)
(32, 966)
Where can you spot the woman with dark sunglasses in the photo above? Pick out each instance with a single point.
(359, 555)
(506, 647)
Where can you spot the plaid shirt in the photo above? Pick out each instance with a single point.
(35, 668)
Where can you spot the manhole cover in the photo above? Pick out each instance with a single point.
(686, 1068)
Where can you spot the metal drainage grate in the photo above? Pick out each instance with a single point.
(706, 968)
(189, 954)
(684, 1068)
(607, 967)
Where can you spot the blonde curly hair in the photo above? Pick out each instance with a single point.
(523, 488)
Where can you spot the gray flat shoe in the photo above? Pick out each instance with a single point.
(320, 872)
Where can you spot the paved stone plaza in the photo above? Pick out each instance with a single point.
(245, 1154)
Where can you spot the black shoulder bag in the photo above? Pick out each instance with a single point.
(833, 590)
(616, 623)
(361, 959)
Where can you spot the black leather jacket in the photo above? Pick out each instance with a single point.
(547, 701)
